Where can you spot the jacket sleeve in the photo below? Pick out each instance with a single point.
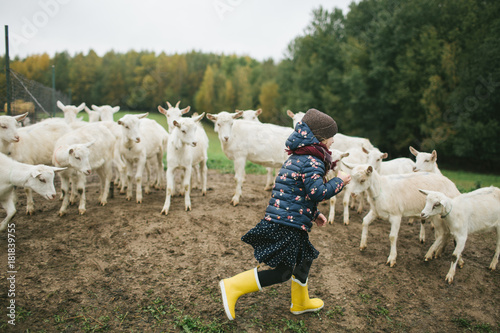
(316, 189)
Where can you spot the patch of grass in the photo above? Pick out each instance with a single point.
(335, 312)
(466, 323)
(298, 326)
(470, 181)
(365, 298)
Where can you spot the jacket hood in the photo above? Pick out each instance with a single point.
(301, 136)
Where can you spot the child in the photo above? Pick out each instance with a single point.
(281, 238)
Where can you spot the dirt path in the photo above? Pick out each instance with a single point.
(125, 267)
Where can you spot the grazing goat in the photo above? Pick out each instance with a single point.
(35, 146)
(88, 148)
(39, 178)
(180, 151)
(256, 142)
(476, 211)
(392, 197)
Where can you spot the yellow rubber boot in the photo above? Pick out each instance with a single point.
(238, 285)
(300, 299)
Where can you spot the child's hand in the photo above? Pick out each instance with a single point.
(320, 220)
(346, 178)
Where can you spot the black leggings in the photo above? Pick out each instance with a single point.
(283, 273)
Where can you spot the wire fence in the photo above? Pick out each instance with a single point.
(33, 97)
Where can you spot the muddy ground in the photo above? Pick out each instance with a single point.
(124, 267)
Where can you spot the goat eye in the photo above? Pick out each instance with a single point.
(78, 158)
(362, 181)
(436, 204)
(42, 180)
(3, 126)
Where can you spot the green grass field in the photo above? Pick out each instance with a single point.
(465, 181)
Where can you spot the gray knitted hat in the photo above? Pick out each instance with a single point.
(322, 125)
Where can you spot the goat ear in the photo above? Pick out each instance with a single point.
(369, 170)
(413, 151)
(186, 110)
(384, 156)
(238, 114)
(120, 122)
(162, 110)
(423, 191)
(21, 116)
(258, 112)
(344, 155)
(89, 144)
(60, 105)
(80, 107)
(35, 173)
(144, 115)
(365, 150)
(58, 169)
(347, 165)
(176, 124)
(71, 151)
(212, 117)
(95, 107)
(434, 156)
(197, 119)
(116, 109)
(290, 113)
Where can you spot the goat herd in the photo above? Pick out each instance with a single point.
(125, 150)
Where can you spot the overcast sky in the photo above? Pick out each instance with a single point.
(261, 29)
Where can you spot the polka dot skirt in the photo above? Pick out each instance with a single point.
(275, 243)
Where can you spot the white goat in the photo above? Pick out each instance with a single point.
(35, 146)
(425, 161)
(337, 157)
(253, 115)
(8, 129)
(296, 117)
(106, 111)
(476, 211)
(70, 111)
(180, 151)
(392, 197)
(94, 116)
(88, 148)
(393, 167)
(39, 178)
(242, 140)
(142, 139)
(200, 155)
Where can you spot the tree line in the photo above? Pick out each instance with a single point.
(424, 73)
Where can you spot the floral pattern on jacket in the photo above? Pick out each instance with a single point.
(299, 186)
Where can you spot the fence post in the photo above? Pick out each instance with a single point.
(7, 70)
(53, 90)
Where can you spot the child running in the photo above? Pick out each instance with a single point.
(281, 238)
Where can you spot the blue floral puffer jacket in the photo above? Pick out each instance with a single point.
(299, 185)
